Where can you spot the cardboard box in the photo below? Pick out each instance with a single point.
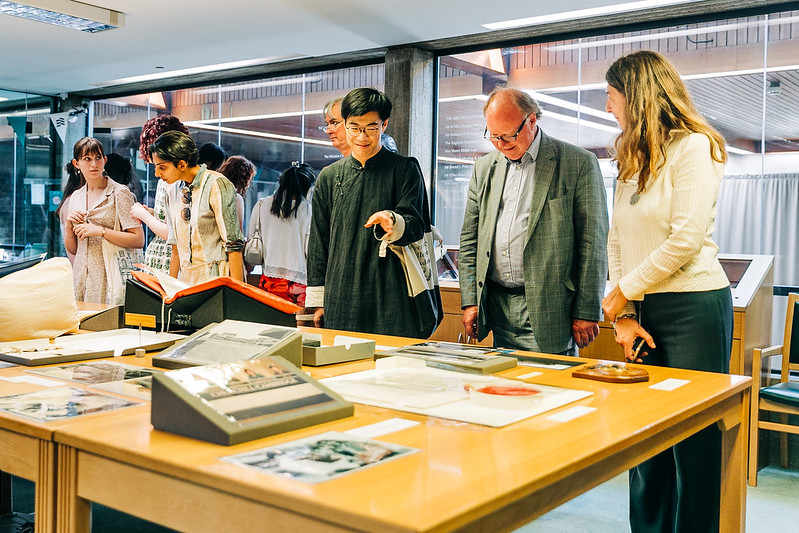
(328, 355)
(233, 340)
(97, 317)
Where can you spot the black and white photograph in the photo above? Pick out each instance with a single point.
(321, 457)
(94, 372)
(60, 403)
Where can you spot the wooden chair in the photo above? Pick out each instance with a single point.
(781, 398)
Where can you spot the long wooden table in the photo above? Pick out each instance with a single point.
(465, 477)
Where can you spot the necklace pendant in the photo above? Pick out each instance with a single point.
(634, 198)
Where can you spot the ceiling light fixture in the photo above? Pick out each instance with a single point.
(738, 151)
(258, 85)
(250, 133)
(65, 13)
(613, 41)
(199, 70)
(583, 13)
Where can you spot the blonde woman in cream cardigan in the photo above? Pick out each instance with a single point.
(668, 286)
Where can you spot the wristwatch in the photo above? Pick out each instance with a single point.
(103, 233)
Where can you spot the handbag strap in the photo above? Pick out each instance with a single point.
(257, 228)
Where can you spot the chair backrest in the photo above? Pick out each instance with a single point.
(791, 339)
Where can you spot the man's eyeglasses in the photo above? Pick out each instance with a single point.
(186, 211)
(505, 138)
(333, 124)
(370, 130)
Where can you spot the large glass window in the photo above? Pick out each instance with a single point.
(271, 122)
(26, 185)
(741, 73)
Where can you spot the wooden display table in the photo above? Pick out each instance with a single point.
(29, 450)
(29, 453)
(463, 477)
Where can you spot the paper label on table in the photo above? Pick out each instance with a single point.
(381, 348)
(571, 413)
(544, 365)
(35, 381)
(382, 428)
(529, 375)
(669, 384)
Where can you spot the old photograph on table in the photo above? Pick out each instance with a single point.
(458, 351)
(253, 390)
(60, 403)
(321, 457)
(230, 340)
(141, 388)
(94, 372)
(481, 359)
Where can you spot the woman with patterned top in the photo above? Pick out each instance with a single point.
(94, 211)
(203, 225)
(158, 253)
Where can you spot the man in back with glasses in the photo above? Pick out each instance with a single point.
(533, 247)
(334, 127)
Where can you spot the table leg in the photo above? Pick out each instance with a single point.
(45, 502)
(73, 514)
(6, 495)
(735, 431)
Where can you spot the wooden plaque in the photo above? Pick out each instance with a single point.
(612, 372)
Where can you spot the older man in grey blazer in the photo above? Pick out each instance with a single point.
(533, 258)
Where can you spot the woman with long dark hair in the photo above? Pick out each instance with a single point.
(240, 171)
(99, 210)
(668, 285)
(285, 224)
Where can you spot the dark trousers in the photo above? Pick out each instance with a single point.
(678, 489)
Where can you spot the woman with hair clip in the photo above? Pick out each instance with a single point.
(74, 182)
(669, 288)
(94, 210)
(158, 254)
(284, 220)
(203, 225)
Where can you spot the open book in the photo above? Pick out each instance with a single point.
(161, 302)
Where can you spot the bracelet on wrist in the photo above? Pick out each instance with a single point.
(103, 233)
(624, 315)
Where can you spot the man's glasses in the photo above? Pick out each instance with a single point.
(186, 211)
(505, 138)
(370, 130)
(333, 124)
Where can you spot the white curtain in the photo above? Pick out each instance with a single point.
(759, 214)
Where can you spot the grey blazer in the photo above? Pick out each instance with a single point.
(565, 255)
